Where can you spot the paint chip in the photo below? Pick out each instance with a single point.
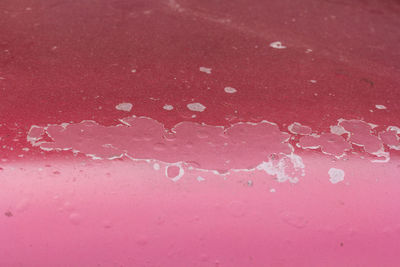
(168, 107)
(196, 107)
(200, 179)
(124, 107)
(230, 90)
(336, 175)
(205, 70)
(380, 107)
(277, 45)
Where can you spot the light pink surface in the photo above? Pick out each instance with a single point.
(121, 214)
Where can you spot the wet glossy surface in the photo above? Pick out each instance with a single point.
(212, 133)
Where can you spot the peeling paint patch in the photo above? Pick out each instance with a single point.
(124, 107)
(197, 107)
(277, 45)
(203, 147)
(241, 147)
(390, 137)
(205, 70)
(297, 128)
(329, 143)
(361, 135)
(339, 130)
(230, 90)
(335, 175)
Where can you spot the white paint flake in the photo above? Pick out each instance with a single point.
(313, 81)
(277, 45)
(200, 179)
(156, 166)
(380, 107)
(205, 70)
(288, 168)
(230, 90)
(124, 107)
(196, 107)
(336, 175)
(168, 107)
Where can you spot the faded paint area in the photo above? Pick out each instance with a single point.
(202, 147)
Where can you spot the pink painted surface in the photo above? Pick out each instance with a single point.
(260, 133)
